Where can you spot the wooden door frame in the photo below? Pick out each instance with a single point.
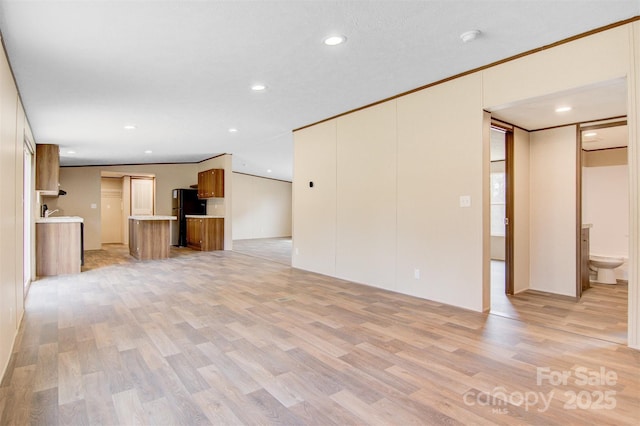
(509, 214)
(509, 203)
(583, 127)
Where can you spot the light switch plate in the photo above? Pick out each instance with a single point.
(465, 201)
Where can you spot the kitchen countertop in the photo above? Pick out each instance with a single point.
(60, 219)
(202, 216)
(148, 217)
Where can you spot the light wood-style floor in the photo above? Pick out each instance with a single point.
(600, 313)
(274, 249)
(226, 338)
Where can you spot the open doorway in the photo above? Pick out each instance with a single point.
(501, 202)
(111, 210)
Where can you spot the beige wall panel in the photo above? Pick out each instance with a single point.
(83, 189)
(441, 155)
(521, 182)
(634, 189)
(314, 218)
(553, 210)
(564, 67)
(261, 207)
(19, 206)
(221, 206)
(11, 192)
(366, 196)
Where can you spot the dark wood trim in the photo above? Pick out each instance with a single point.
(210, 158)
(578, 212)
(127, 164)
(481, 68)
(579, 123)
(509, 228)
(262, 177)
(604, 149)
(505, 125)
(588, 127)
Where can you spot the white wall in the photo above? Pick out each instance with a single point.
(314, 208)
(521, 209)
(366, 196)
(261, 207)
(605, 204)
(442, 155)
(553, 210)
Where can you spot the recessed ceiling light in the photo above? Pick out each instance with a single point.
(563, 109)
(129, 127)
(468, 36)
(335, 40)
(258, 87)
(71, 152)
(148, 151)
(268, 170)
(233, 130)
(590, 134)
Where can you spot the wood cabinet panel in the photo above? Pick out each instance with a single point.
(58, 249)
(149, 239)
(47, 167)
(205, 234)
(211, 183)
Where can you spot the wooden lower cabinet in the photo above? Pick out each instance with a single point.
(149, 239)
(58, 249)
(205, 234)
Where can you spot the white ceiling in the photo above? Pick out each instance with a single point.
(181, 70)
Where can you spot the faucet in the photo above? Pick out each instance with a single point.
(48, 213)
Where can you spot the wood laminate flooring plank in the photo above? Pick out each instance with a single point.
(226, 338)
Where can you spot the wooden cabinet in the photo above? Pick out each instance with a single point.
(211, 183)
(206, 233)
(58, 248)
(149, 238)
(48, 168)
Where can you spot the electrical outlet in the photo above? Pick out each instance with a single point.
(465, 201)
(416, 274)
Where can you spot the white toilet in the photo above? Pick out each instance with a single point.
(605, 266)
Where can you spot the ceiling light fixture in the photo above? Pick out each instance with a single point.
(233, 130)
(71, 152)
(268, 170)
(148, 151)
(468, 36)
(563, 109)
(129, 127)
(590, 134)
(258, 87)
(335, 40)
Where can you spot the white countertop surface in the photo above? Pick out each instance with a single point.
(153, 217)
(60, 219)
(202, 216)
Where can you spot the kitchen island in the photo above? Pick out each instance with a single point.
(149, 236)
(58, 245)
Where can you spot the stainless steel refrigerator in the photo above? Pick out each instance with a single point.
(184, 202)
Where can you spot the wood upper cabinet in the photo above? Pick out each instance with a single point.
(205, 234)
(47, 168)
(211, 183)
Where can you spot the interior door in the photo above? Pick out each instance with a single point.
(142, 196)
(111, 211)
